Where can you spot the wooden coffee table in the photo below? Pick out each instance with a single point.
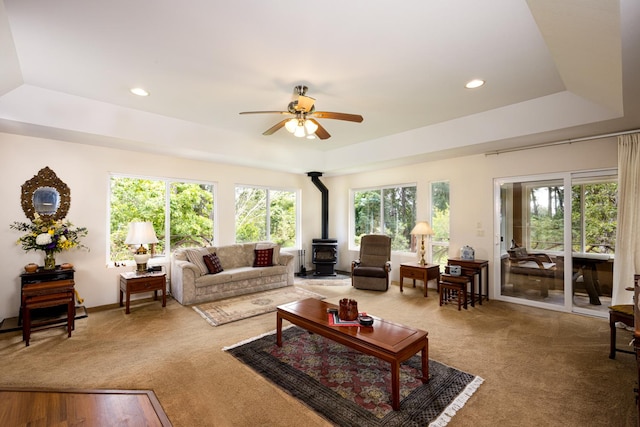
(391, 342)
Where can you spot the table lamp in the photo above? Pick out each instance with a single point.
(422, 229)
(141, 233)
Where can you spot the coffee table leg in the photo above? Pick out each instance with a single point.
(395, 385)
(278, 330)
(425, 361)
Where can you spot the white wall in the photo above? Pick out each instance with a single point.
(85, 169)
(471, 190)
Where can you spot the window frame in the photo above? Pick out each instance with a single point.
(444, 244)
(298, 210)
(352, 212)
(167, 182)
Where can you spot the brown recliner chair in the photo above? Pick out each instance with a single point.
(371, 270)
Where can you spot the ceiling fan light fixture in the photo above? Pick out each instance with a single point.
(299, 132)
(310, 127)
(291, 125)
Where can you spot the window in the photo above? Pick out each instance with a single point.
(594, 209)
(266, 214)
(185, 209)
(389, 210)
(440, 222)
(594, 215)
(546, 216)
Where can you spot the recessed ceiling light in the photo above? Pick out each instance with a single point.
(474, 84)
(139, 91)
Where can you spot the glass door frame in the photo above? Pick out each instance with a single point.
(565, 177)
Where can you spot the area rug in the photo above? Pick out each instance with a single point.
(231, 309)
(339, 279)
(352, 389)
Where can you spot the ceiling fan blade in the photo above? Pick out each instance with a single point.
(305, 103)
(275, 127)
(338, 116)
(265, 112)
(321, 132)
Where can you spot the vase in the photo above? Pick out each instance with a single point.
(49, 260)
(348, 309)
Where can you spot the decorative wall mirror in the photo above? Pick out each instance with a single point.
(46, 195)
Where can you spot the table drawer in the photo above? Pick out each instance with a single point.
(412, 273)
(146, 284)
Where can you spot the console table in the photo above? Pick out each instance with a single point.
(133, 283)
(476, 267)
(45, 289)
(417, 271)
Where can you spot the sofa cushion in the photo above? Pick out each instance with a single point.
(276, 250)
(213, 263)
(263, 257)
(196, 256)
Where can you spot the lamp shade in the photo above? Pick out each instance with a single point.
(422, 228)
(291, 125)
(141, 233)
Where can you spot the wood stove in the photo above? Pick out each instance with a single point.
(325, 256)
(324, 251)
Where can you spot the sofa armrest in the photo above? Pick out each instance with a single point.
(183, 280)
(287, 260)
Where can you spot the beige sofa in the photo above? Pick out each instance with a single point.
(191, 282)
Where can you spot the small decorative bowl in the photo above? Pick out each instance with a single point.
(66, 266)
(31, 268)
(365, 320)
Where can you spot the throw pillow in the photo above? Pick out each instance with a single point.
(213, 263)
(195, 256)
(263, 257)
(276, 250)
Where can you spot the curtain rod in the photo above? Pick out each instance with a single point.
(566, 141)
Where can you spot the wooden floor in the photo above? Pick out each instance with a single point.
(35, 407)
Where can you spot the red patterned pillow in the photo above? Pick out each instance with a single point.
(263, 257)
(213, 263)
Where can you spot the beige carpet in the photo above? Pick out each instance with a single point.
(232, 309)
(541, 368)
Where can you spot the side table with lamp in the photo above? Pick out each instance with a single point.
(143, 279)
(420, 270)
(141, 233)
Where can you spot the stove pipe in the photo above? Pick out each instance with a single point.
(325, 202)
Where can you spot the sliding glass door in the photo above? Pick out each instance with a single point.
(532, 235)
(556, 241)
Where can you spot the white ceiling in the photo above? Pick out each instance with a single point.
(555, 69)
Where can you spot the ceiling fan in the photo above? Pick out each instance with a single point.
(303, 122)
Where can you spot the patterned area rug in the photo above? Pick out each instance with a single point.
(339, 279)
(231, 309)
(352, 389)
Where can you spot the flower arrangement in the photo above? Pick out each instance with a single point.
(49, 236)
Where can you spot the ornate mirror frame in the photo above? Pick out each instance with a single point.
(45, 179)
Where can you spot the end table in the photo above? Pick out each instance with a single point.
(133, 283)
(415, 270)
